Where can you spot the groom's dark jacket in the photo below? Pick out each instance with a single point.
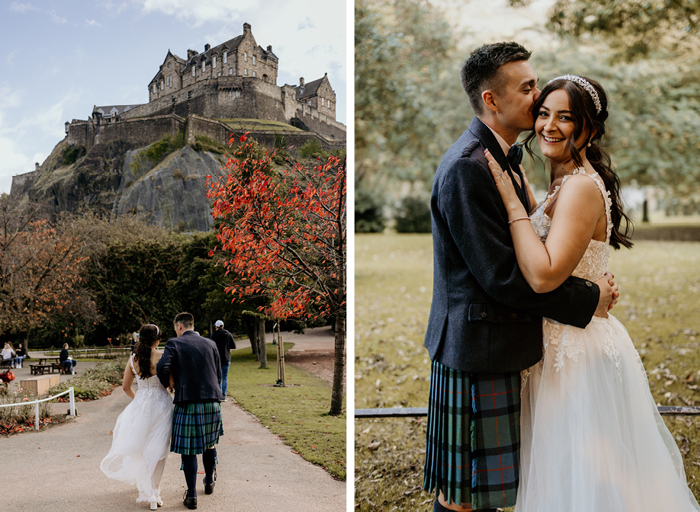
(484, 317)
(194, 363)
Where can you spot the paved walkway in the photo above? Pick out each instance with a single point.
(58, 469)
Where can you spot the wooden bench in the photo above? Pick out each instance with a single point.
(42, 360)
(39, 369)
(6, 364)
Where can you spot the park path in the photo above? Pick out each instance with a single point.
(58, 469)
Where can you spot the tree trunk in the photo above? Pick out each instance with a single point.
(26, 344)
(251, 327)
(338, 367)
(262, 349)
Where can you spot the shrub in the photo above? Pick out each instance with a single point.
(95, 382)
(20, 418)
(71, 154)
(204, 143)
(163, 147)
(368, 211)
(313, 149)
(413, 216)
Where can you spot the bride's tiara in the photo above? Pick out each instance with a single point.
(586, 85)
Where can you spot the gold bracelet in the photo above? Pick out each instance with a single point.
(516, 220)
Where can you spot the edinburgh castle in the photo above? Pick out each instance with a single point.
(102, 163)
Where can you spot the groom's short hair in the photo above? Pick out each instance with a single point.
(480, 71)
(185, 319)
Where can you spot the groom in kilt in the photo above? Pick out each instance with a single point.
(485, 321)
(194, 364)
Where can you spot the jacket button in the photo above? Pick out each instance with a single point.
(513, 316)
(483, 314)
(588, 283)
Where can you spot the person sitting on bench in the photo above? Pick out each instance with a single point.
(8, 354)
(67, 362)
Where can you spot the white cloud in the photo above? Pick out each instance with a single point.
(10, 59)
(306, 23)
(116, 7)
(18, 141)
(197, 12)
(10, 98)
(14, 161)
(56, 18)
(92, 23)
(20, 7)
(23, 8)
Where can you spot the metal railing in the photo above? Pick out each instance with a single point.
(36, 403)
(416, 412)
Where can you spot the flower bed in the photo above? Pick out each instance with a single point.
(95, 382)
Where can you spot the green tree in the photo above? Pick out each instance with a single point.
(406, 88)
(630, 27)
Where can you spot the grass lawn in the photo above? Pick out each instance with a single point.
(659, 305)
(298, 413)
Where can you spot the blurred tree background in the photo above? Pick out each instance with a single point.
(410, 106)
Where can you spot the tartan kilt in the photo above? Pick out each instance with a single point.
(473, 437)
(196, 427)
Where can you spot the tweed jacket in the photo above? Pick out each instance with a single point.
(194, 363)
(484, 317)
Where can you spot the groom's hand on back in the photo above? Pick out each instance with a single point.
(608, 294)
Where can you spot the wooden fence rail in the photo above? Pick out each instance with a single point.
(416, 412)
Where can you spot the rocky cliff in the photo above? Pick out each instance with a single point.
(118, 178)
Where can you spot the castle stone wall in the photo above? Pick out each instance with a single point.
(81, 133)
(216, 130)
(241, 97)
(222, 97)
(320, 123)
(21, 183)
(140, 132)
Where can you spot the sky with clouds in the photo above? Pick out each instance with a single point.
(60, 58)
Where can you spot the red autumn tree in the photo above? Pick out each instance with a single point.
(283, 235)
(40, 271)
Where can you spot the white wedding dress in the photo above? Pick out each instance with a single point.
(141, 439)
(592, 438)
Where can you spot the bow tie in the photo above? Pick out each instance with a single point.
(515, 156)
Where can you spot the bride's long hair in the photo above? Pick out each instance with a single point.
(583, 112)
(148, 335)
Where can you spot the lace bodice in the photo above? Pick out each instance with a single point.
(150, 384)
(595, 260)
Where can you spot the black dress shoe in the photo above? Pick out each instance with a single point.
(189, 501)
(209, 488)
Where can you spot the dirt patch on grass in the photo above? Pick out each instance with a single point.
(318, 364)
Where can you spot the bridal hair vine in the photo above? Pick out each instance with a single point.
(586, 85)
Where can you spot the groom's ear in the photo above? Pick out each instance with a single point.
(489, 99)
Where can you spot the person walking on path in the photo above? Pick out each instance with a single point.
(224, 342)
(142, 432)
(194, 363)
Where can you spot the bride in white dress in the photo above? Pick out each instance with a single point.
(141, 437)
(592, 438)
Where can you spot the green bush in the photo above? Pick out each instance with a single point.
(163, 147)
(413, 216)
(313, 149)
(204, 143)
(95, 382)
(368, 211)
(20, 418)
(71, 154)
